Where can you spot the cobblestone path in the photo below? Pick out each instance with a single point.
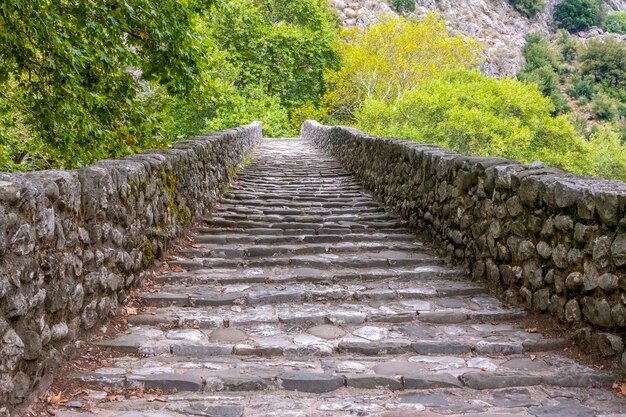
(302, 297)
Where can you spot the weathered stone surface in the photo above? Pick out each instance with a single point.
(310, 382)
(326, 331)
(570, 222)
(78, 241)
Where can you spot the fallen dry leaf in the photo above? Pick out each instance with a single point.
(131, 311)
(620, 389)
(159, 399)
(111, 398)
(177, 268)
(533, 357)
(56, 399)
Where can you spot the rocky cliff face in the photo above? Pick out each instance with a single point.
(495, 23)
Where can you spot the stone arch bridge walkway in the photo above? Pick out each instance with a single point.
(303, 297)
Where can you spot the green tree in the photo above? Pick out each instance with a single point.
(541, 67)
(282, 47)
(386, 60)
(403, 5)
(529, 7)
(605, 61)
(475, 114)
(74, 75)
(577, 15)
(616, 22)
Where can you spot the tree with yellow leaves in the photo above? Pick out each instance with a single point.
(388, 59)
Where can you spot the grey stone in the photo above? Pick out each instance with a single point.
(500, 348)
(574, 281)
(618, 314)
(441, 347)
(618, 250)
(310, 382)
(488, 380)
(368, 381)
(597, 311)
(609, 344)
(544, 250)
(326, 331)
(608, 282)
(170, 381)
(207, 410)
(564, 407)
(572, 311)
(430, 381)
(227, 335)
(32, 345)
(541, 299)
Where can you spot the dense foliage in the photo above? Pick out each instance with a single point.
(85, 80)
(605, 61)
(472, 113)
(403, 5)
(616, 22)
(280, 49)
(393, 57)
(577, 15)
(542, 66)
(69, 74)
(529, 7)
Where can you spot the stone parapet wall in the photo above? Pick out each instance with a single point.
(73, 243)
(550, 240)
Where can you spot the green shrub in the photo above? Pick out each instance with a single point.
(569, 47)
(582, 87)
(577, 15)
(475, 114)
(403, 5)
(605, 107)
(605, 61)
(529, 7)
(538, 53)
(616, 22)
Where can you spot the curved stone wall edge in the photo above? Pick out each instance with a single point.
(550, 240)
(73, 243)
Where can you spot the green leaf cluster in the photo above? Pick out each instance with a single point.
(542, 67)
(529, 7)
(403, 6)
(577, 15)
(616, 22)
(475, 114)
(75, 75)
(280, 48)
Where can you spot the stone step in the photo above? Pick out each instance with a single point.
(317, 313)
(303, 287)
(310, 226)
(273, 293)
(254, 251)
(323, 194)
(451, 402)
(314, 187)
(261, 236)
(304, 218)
(380, 339)
(322, 375)
(338, 203)
(427, 275)
(313, 211)
(364, 259)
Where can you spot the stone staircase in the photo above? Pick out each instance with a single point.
(301, 296)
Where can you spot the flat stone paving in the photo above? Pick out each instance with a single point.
(301, 296)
